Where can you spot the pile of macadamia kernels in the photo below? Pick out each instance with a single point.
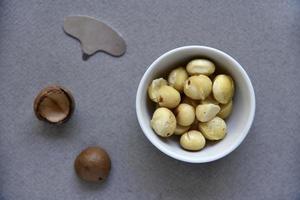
(193, 103)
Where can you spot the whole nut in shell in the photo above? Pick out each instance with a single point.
(185, 114)
(154, 87)
(197, 87)
(168, 97)
(200, 66)
(205, 112)
(225, 110)
(192, 140)
(215, 129)
(177, 78)
(163, 122)
(93, 164)
(223, 88)
(54, 104)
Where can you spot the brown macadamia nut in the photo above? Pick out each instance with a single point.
(93, 164)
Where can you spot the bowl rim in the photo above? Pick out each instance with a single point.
(184, 158)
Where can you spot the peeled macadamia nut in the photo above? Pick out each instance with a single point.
(181, 129)
(223, 88)
(210, 99)
(190, 101)
(163, 122)
(185, 114)
(215, 129)
(192, 140)
(54, 104)
(198, 87)
(225, 110)
(177, 78)
(93, 164)
(168, 97)
(200, 66)
(206, 112)
(154, 87)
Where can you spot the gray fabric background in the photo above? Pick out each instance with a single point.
(36, 159)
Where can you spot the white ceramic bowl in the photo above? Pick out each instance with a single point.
(238, 124)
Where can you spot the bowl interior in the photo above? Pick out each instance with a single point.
(238, 123)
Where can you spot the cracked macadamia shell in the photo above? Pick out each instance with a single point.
(93, 164)
(54, 104)
(163, 122)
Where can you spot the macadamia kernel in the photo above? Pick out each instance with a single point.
(200, 66)
(177, 78)
(181, 129)
(192, 140)
(190, 101)
(225, 110)
(163, 122)
(205, 112)
(154, 87)
(185, 114)
(223, 88)
(215, 129)
(198, 87)
(168, 97)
